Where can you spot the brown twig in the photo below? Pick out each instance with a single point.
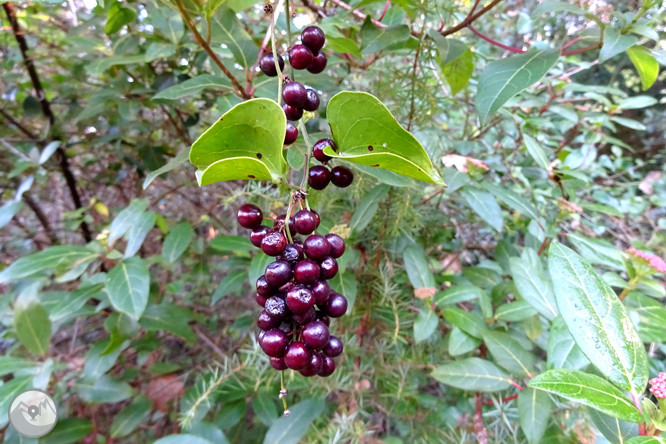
(470, 18)
(495, 42)
(479, 428)
(34, 206)
(411, 106)
(586, 48)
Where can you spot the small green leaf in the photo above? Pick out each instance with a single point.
(10, 364)
(171, 318)
(425, 324)
(416, 264)
(589, 390)
(503, 79)
(509, 354)
(461, 343)
(97, 363)
(105, 389)
(485, 205)
(118, 17)
(33, 327)
(138, 232)
(597, 251)
(343, 45)
(531, 285)
(290, 429)
(646, 65)
(468, 322)
(245, 143)
(637, 102)
(128, 285)
(515, 311)
(228, 30)
(130, 417)
(229, 243)
(459, 71)
(68, 431)
(174, 163)
(230, 284)
(537, 153)
(614, 430)
(448, 49)
(562, 349)
(10, 389)
(177, 241)
(375, 39)
(473, 374)
(367, 133)
(127, 218)
(366, 210)
(182, 439)
(615, 43)
(59, 258)
(265, 409)
(9, 210)
(534, 408)
(194, 86)
(458, 293)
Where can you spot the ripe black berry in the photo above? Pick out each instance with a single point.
(316, 335)
(334, 347)
(327, 368)
(305, 222)
(250, 216)
(312, 102)
(266, 322)
(258, 234)
(329, 268)
(292, 253)
(316, 247)
(274, 343)
(299, 299)
(291, 134)
(261, 300)
(323, 318)
(273, 243)
(264, 288)
(337, 245)
(300, 56)
(313, 37)
(306, 271)
(305, 318)
(336, 306)
(292, 113)
(276, 308)
(321, 291)
(278, 273)
(278, 363)
(318, 63)
(318, 149)
(267, 64)
(297, 356)
(342, 176)
(318, 177)
(294, 94)
(316, 364)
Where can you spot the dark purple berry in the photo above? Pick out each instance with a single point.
(250, 216)
(304, 222)
(336, 306)
(292, 253)
(313, 37)
(315, 335)
(258, 234)
(300, 56)
(299, 299)
(319, 177)
(261, 300)
(297, 356)
(278, 363)
(264, 288)
(292, 113)
(279, 223)
(321, 291)
(316, 364)
(273, 243)
(278, 273)
(266, 322)
(342, 176)
(305, 318)
(312, 102)
(337, 245)
(329, 268)
(276, 308)
(316, 247)
(274, 343)
(318, 149)
(334, 347)
(328, 366)
(291, 134)
(306, 271)
(294, 94)
(318, 63)
(323, 318)
(267, 64)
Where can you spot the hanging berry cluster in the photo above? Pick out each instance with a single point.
(296, 298)
(319, 175)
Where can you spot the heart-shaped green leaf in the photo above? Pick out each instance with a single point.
(245, 143)
(366, 133)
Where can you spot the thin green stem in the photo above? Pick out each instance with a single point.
(276, 13)
(286, 219)
(639, 14)
(283, 393)
(632, 286)
(308, 154)
(288, 19)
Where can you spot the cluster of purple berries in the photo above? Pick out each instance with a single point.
(319, 176)
(296, 298)
(297, 98)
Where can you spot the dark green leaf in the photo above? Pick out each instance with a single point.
(485, 205)
(473, 374)
(461, 343)
(374, 39)
(509, 354)
(290, 429)
(130, 417)
(458, 293)
(225, 244)
(417, 267)
(58, 258)
(468, 322)
(614, 430)
(177, 241)
(227, 29)
(171, 318)
(174, 163)
(515, 311)
(425, 324)
(33, 327)
(368, 207)
(128, 285)
(534, 408)
(194, 86)
(118, 17)
(537, 291)
(345, 284)
(68, 431)
(615, 43)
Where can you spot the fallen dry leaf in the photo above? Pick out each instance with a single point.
(164, 389)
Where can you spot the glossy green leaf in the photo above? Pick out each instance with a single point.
(343, 45)
(461, 343)
(536, 290)
(230, 284)
(227, 29)
(171, 165)
(458, 293)
(509, 354)
(597, 251)
(177, 241)
(425, 324)
(485, 205)
(589, 390)
(171, 318)
(515, 311)
(597, 320)
(104, 389)
(118, 17)
(468, 322)
(33, 327)
(416, 264)
(646, 65)
(58, 258)
(128, 285)
(448, 49)
(615, 43)
(195, 86)
(534, 408)
(459, 71)
(514, 201)
(647, 440)
(374, 39)
(367, 208)
(290, 429)
(68, 431)
(138, 232)
(503, 79)
(562, 349)
(245, 143)
(614, 430)
(367, 133)
(125, 422)
(648, 315)
(127, 218)
(535, 150)
(483, 277)
(473, 374)
(229, 243)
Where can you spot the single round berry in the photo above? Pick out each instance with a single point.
(267, 64)
(316, 364)
(264, 288)
(292, 113)
(278, 273)
(305, 222)
(321, 291)
(292, 253)
(323, 318)
(291, 134)
(318, 149)
(342, 176)
(299, 299)
(279, 223)
(274, 343)
(297, 356)
(258, 234)
(313, 37)
(276, 308)
(316, 247)
(305, 318)
(250, 216)
(261, 300)
(327, 367)
(300, 57)
(329, 268)
(334, 347)
(315, 335)
(266, 322)
(336, 306)
(319, 177)
(294, 94)
(312, 102)
(273, 243)
(318, 63)
(337, 245)
(278, 363)
(307, 271)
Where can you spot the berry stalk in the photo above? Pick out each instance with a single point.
(274, 17)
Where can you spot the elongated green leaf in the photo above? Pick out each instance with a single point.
(474, 374)
(227, 29)
(534, 408)
(533, 287)
(97, 363)
(637, 102)
(448, 49)
(535, 150)
(73, 302)
(461, 343)
(245, 143)
(105, 389)
(290, 429)
(58, 258)
(367, 133)
(230, 284)
(615, 43)
(459, 71)
(649, 318)
(646, 65)
(597, 320)
(416, 264)
(615, 430)
(470, 323)
(597, 251)
(194, 86)
(9, 210)
(509, 354)
(184, 438)
(128, 285)
(165, 22)
(171, 318)
(485, 205)
(514, 201)
(258, 266)
(10, 389)
(459, 293)
(68, 431)
(177, 241)
(589, 390)
(118, 17)
(425, 324)
(503, 79)
(562, 349)
(130, 417)
(515, 311)
(343, 45)
(174, 163)
(33, 327)
(368, 207)
(647, 440)
(126, 219)
(225, 244)
(374, 39)
(138, 232)
(10, 364)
